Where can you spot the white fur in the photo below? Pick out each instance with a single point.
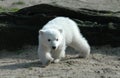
(67, 33)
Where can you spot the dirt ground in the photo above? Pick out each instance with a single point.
(103, 62)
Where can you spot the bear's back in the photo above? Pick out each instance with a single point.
(67, 25)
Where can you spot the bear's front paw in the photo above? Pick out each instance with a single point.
(47, 62)
(51, 60)
(56, 60)
(44, 64)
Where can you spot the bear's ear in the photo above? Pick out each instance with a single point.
(41, 32)
(61, 31)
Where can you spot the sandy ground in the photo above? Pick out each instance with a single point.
(104, 62)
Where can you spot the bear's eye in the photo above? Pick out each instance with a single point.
(49, 40)
(57, 39)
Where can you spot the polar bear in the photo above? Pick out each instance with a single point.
(56, 35)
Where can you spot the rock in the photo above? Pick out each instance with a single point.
(21, 27)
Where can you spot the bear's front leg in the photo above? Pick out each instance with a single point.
(48, 58)
(45, 57)
(59, 56)
(59, 53)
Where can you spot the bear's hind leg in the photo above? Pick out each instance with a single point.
(81, 45)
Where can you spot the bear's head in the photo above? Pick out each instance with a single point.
(51, 38)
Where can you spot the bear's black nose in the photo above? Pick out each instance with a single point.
(53, 47)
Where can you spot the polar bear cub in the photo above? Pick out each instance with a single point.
(56, 35)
